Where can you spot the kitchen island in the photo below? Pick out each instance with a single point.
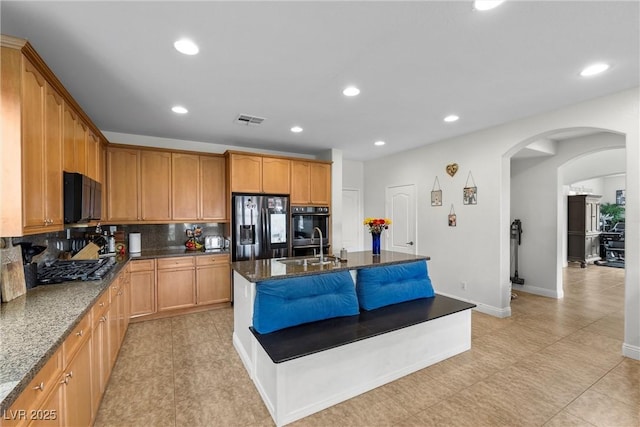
(311, 365)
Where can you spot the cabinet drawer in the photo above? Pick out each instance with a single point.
(76, 338)
(100, 306)
(212, 260)
(177, 262)
(35, 392)
(142, 265)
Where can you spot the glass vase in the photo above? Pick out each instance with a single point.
(375, 243)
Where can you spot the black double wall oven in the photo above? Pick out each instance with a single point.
(305, 238)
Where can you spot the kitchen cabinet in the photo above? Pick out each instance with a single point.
(176, 283)
(123, 201)
(213, 279)
(80, 147)
(77, 394)
(39, 122)
(36, 395)
(41, 154)
(93, 157)
(100, 367)
(310, 183)
(583, 227)
(213, 188)
(143, 287)
(155, 185)
(198, 187)
(253, 173)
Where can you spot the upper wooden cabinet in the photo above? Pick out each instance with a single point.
(213, 188)
(253, 173)
(40, 139)
(197, 187)
(155, 185)
(310, 183)
(123, 192)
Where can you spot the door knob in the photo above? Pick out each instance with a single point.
(410, 243)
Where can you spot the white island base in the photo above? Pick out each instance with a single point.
(296, 388)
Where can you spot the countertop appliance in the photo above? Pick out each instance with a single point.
(260, 225)
(82, 198)
(213, 242)
(304, 220)
(73, 270)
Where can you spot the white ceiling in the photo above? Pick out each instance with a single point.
(415, 62)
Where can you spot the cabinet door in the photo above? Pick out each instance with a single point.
(185, 191)
(69, 141)
(80, 137)
(122, 185)
(300, 178)
(77, 394)
(176, 289)
(93, 157)
(33, 161)
(113, 319)
(51, 413)
(155, 185)
(213, 284)
(246, 173)
(213, 187)
(276, 175)
(53, 155)
(142, 293)
(320, 183)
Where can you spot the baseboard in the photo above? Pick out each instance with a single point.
(482, 308)
(631, 351)
(538, 291)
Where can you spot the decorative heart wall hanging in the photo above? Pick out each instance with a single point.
(452, 169)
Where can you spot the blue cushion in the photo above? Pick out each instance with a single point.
(293, 301)
(380, 286)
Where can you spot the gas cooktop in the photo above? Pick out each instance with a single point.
(74, 270)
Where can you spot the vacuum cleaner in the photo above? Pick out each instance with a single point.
(516, 235)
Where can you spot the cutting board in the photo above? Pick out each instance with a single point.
(88, 252)
(12, 283)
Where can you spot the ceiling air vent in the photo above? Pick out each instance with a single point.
(246, 119)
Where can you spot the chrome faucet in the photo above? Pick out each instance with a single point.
(312, 241)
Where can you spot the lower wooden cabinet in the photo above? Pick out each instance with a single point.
(78, 410)
(143, 287)
(176, 283)
(213, 279)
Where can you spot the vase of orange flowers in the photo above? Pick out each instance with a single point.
(376, 226)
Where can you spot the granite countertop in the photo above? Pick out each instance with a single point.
(34, 325)
(264, 269)
(174, 252)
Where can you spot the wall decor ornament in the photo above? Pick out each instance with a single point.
(470, 193)
(436, 195)
(452, 168)
(452, 217)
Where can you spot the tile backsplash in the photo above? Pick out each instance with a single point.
(153, 236)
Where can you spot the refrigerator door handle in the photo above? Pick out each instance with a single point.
(265, 231)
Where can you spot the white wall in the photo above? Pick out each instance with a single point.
(477, 250)
(611, 185)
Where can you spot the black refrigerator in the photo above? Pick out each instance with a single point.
(260, 225)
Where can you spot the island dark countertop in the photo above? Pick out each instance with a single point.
(265, 269)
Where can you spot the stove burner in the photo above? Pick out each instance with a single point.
(68, 271)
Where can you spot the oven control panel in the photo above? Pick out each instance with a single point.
(310, 210)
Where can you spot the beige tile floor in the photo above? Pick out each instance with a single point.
(552, 363)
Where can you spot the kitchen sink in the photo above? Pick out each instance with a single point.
(308, 260)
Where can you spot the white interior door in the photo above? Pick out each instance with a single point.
(401, 209)
(352, 227)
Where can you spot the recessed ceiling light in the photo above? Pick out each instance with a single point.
(594, 69)
(379, 143)
(186, 46)
(451, 118)
(483, 5)
(296, 129)
(351, 91)
(179, 109)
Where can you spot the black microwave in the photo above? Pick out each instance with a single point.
(82, 198)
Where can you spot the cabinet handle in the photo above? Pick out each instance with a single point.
(101, 304)
(65, 381)
(39, 387)
(103, 319)
(69, 375)
(79, 333)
